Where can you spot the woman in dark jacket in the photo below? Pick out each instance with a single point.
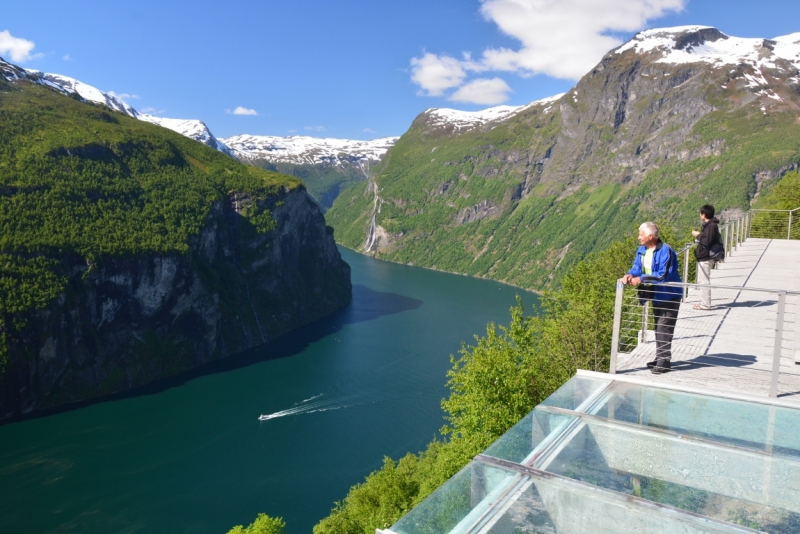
(707, 237)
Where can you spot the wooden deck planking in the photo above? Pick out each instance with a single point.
(730, 347)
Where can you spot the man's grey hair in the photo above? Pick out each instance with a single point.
(650, 228)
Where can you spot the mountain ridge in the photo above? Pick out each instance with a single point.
(646, 134)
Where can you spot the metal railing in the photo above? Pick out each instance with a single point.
(757, 223)
(774, 224)
(746, 329)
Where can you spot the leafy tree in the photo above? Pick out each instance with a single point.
(263, 524)
(785, 195)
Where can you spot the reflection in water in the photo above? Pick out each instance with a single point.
(367, 305)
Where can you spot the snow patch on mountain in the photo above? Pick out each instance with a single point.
(69, 85)
(694, 44)
(466, 120)
(192, 128)
(302, 150)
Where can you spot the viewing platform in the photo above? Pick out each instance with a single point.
(731, 347)
(712, 446)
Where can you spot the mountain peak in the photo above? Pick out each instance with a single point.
(194, 129)
(466, 120)
(706, 44)
(299, 149)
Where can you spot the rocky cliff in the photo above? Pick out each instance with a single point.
(125, 322)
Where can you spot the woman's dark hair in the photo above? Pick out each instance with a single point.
(708, 211)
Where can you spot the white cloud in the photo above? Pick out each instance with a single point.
(559, 38)
(152, 111)
(369, 130)
(16, 49)
(565, 38)
(244, 111)
(67, 57)
(291, 131)
(488, 91)
(315, 128)
(435, 74)
(124, 96)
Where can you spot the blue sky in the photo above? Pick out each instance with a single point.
(347, 68)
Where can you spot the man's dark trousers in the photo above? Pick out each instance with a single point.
(665, 314)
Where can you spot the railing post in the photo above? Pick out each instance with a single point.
(617, 324)
(748, 217)
(749, 225)
(643, 331)
(686, 272)
(797, 332)
(789, 233)
(725, 240)
(776, 352)
(739, 233)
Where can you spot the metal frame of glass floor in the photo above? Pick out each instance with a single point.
(615, 454)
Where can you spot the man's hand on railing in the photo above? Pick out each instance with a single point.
(630, 280)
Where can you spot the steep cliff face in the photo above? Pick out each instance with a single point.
(673, 119)
(125, 322)
(130, 253)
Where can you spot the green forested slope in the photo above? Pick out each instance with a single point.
(522, 200)
(80, 181)
(323, 181)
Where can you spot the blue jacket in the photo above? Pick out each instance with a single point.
(665, 269)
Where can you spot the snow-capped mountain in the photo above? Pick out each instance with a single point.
(466, 120)
(192, 128)
(295, 149)
(303, 150)
(694, 44)
(69, 85)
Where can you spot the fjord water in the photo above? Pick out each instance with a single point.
(191, 455)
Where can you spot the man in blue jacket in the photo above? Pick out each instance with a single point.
(655, 263)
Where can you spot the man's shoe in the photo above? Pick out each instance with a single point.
(652, 364)
(662, 366)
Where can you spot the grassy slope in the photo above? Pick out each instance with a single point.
(324, 182)
(524, 245)
(78, 179)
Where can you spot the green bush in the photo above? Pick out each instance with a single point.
(263, 524)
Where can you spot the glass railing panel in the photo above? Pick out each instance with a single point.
(740, 423)
(726, 483)
(534, 432)
(576, 392)
(461, 502)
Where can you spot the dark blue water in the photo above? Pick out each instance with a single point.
(191, 455)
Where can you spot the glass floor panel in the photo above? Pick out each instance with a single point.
(745, 424)
(606, 455)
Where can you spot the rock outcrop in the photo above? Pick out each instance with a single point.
(127, 322)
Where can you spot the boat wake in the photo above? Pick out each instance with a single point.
(306, 406)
